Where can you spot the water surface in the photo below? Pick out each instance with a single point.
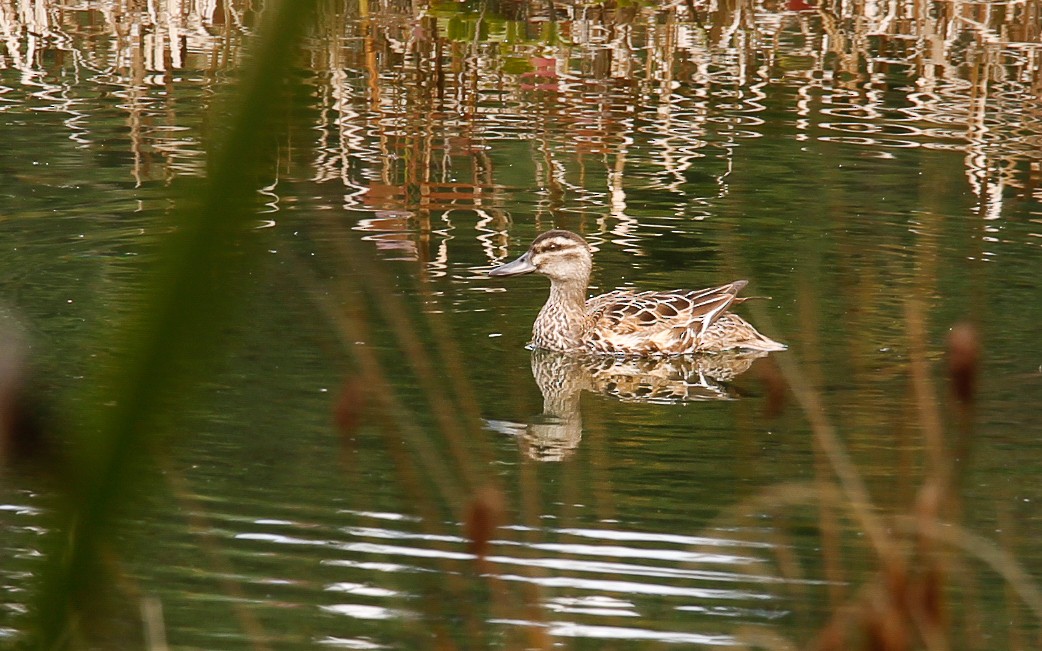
(855, 163)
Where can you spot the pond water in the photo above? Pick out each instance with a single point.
(873, 168)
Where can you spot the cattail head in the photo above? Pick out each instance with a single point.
(484, 515)
(963, 361)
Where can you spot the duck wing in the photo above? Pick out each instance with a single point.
(669, 322)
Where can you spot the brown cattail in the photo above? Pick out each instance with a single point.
(21, 421)
(484, 514)
(885, 612)
(886, 629)
(963, 361)
(348, 410)
(774, 387)
(930, 598)
(833, 637)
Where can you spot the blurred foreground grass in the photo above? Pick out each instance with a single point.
(166, 346)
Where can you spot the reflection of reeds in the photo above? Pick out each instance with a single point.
(412, 90)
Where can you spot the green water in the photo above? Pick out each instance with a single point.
(836, 161)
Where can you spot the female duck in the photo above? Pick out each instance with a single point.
(677, 322)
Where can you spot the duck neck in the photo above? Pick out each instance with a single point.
(561, 324)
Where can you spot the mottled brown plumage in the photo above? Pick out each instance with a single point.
(677, 322)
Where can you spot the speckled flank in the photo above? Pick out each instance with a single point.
(631, 323)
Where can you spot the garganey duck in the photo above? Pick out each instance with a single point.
(625, 323)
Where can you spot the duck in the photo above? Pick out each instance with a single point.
(627, 323)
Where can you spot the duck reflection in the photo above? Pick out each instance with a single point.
(554, 434)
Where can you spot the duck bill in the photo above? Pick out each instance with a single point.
(516, 268)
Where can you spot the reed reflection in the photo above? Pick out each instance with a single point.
(420, 107)
(555, 434)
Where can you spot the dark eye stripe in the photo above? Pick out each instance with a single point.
(546, 247)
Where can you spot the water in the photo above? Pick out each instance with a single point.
(850, 162)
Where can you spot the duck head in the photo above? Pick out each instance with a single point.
(562, 256)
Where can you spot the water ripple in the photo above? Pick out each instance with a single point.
(571, 629)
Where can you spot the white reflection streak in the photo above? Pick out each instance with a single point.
(986, 187)
(622, 65)
(362, 589)
(351, 139)
(438, 265)
(874, 97)
(612, 534)
(626, 227)
(174, 34)
(373, 566)
(55, 97)
(616, 191)
(571, 629)
(487, 235)
(672, 164)
(362, 611)
(593, 604)
(415, 552)
(382, 515)
(35, 23)
(803, 110)
(9, 28)
(559, 173)
(630, 569)
(154, 48)
(20, 509)
(615, 551)
(350, 643)
(330, 162)
(729, 31)
(272, 198)
(632, 587)
(280, 539)
(563, 571)
(577, 565)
